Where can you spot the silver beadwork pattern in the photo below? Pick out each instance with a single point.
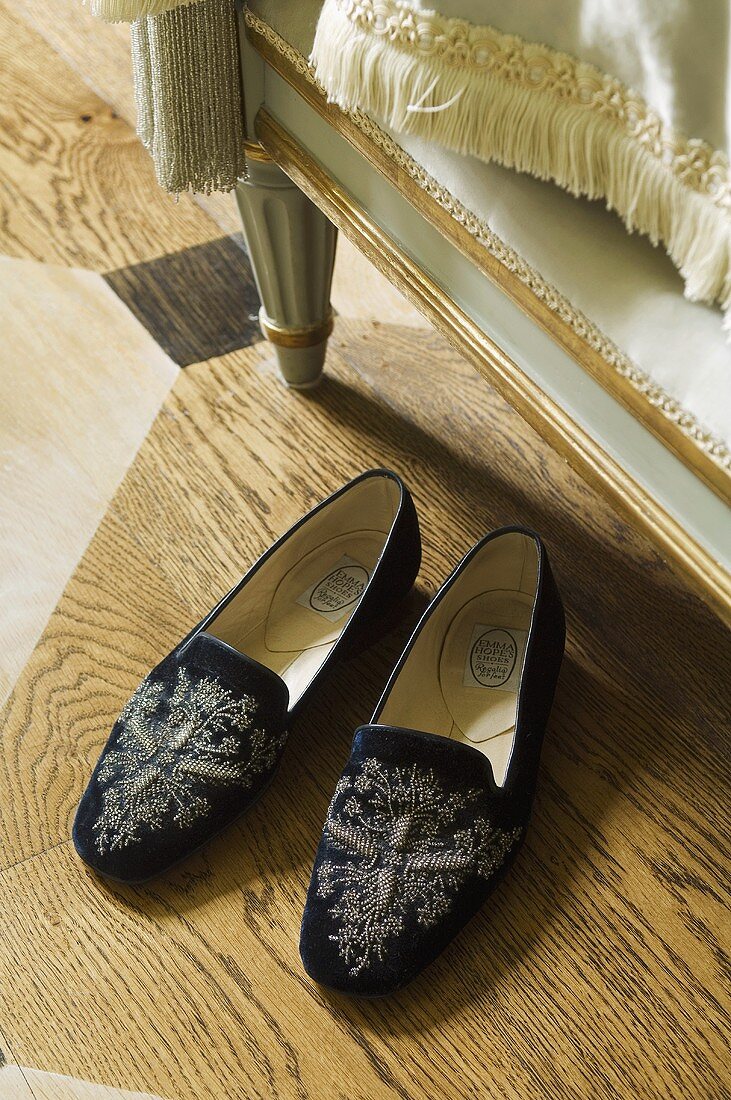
(170, 754)
(399, 856)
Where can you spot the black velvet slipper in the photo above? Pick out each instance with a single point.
(434, 801)
(203, 734)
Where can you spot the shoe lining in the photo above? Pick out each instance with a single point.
(462, 676)
(291, 613)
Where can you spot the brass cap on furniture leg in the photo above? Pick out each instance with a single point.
(290, 336)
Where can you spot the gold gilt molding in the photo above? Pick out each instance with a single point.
(660, 414)
(582, 452)
(254, 151)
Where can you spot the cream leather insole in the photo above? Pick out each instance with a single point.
(462, 675)
(311, 606)
(479, 672)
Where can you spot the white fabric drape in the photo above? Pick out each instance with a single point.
(490, 92)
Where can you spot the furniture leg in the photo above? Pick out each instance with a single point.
(292, 250)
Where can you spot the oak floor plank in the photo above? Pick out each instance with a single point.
(155, 1007)
(74, 685)
(98, 52)
(79, 394)
(597, 970)
(76, 186)
(13, 1083)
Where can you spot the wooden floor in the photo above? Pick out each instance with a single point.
(598, 968)
(81, 217)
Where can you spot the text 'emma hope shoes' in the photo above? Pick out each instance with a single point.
(435, 798)
(203, 734)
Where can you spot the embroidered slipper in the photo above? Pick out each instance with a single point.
(434, 801)
(203, 734)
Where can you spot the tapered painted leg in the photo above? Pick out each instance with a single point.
(292, 250)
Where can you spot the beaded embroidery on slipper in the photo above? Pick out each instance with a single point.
(398, 857)
(173, 752)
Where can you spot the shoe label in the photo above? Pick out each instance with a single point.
(335, 594)
(495, 657)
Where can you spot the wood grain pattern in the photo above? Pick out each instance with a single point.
(59, 730)
(96, 51)
(76, 36)
(88, 366)
(597, 968)
(76, 186)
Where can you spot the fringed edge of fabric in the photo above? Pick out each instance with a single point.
(129, 11)
(383, 59)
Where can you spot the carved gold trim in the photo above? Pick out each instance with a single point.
(577, 335)
(303, 336)
(582, 452)
(253, 150)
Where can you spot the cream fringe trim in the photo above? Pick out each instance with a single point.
(585, 329)
(128, 11)
(388, 60)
